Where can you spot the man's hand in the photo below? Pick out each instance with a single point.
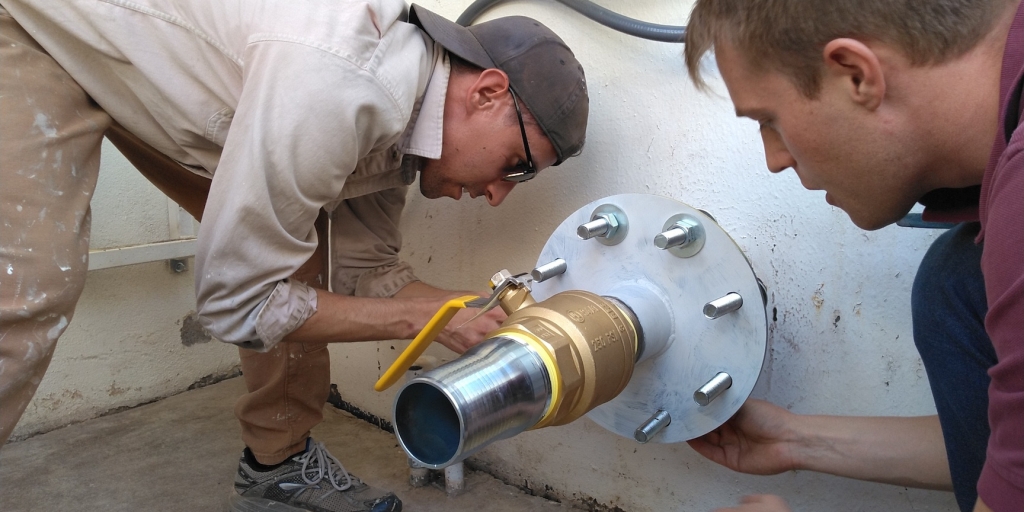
(759, 503)
(765, 439)
(455, 336)
(460, 338)
(754, 441)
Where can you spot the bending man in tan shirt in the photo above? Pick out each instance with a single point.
(264, 120)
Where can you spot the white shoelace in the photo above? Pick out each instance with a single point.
(326, 464)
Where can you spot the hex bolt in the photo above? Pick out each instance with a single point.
(682, 235)
(723, 306)
(608, 225)
(674, 237)
(601, 226)
(178, 266)
(713, 389)
(652, 426)
(549, 270)
(500, 277)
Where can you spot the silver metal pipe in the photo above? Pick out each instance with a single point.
(713, 389)
(723, 306)
(652, 426)
(494, 391)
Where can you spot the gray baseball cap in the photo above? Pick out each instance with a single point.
(541, 69)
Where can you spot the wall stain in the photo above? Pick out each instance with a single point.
(818, 298)
(214, 378)
(114, 390)
(192, 332)
(53, 401)
(577, 501)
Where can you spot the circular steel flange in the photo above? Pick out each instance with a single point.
(698, 348)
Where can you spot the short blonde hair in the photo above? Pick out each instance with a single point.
(789, 35)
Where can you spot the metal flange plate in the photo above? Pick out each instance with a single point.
(699, 348)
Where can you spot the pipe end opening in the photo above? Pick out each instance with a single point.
(427, 424)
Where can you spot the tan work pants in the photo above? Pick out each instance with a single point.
(50, 135)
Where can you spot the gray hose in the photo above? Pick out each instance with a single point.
(610, 19)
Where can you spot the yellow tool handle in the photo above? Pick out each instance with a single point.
(422, 341)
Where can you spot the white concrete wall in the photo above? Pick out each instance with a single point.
(840, 337)
(131, 340)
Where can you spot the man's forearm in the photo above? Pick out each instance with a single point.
(900, 451)
(419, 289)
(340, 318)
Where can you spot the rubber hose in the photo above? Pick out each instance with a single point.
(610, 19)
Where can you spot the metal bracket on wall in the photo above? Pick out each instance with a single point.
(144, 253)
(182, 230)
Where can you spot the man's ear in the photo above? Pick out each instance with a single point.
(488, 91)
(857, 69)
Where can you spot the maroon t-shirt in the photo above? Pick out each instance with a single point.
(1001, 211)
(999, 204)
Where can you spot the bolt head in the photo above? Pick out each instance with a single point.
(613, 221)
(500, 277)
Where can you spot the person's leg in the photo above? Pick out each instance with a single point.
(287, 385)
(287, 390)
(50, 136)
(949, 309)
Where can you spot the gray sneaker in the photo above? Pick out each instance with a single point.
(310, 481)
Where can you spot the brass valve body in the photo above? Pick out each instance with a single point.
(592, 340)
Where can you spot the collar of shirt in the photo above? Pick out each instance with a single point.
(422, 139)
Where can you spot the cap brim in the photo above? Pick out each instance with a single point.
(453, 37)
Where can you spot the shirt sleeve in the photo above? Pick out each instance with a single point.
(305, 117)
(1001, 485)
(365, 241)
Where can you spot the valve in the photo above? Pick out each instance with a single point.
(549, 363)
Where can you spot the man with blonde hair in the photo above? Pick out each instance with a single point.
(884, 104)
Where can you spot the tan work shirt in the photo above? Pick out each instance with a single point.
(293, 106)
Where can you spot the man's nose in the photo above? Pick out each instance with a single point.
(497, 191)
(776, 154)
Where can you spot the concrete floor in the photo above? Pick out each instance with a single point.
(180, 454)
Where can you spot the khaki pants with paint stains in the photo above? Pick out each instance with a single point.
(50, 137)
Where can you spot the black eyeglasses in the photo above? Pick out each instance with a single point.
(527, 171)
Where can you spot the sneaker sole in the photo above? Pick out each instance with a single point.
(240, 503)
